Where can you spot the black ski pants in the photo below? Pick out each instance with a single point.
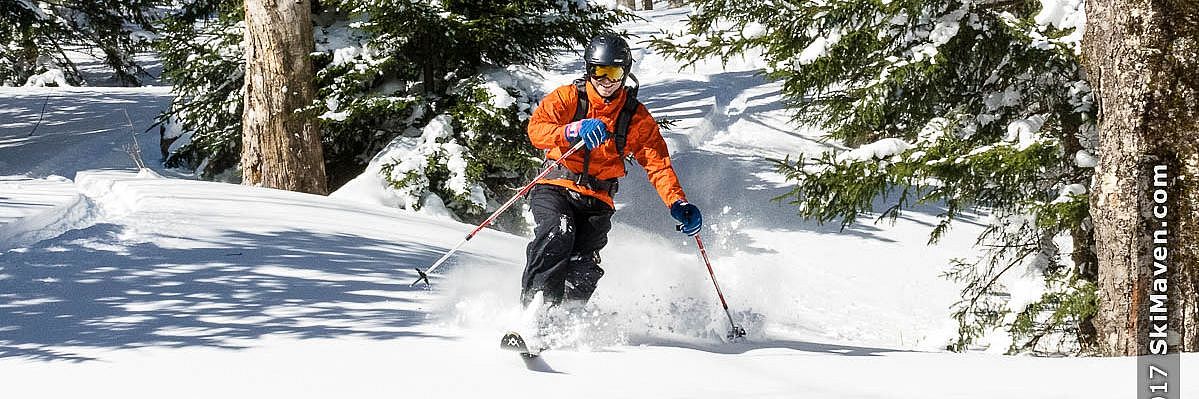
(563, 259)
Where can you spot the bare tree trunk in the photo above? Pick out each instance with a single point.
(631, 4)
(1140, 57)
(647, 4)
(281, 147)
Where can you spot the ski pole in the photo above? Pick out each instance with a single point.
(424, 275)
(736, 332)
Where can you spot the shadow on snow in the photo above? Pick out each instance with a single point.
(92, 288)
(79, 130)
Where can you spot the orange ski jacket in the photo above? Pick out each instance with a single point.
(644, 142)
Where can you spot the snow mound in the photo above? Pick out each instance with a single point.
(39, 209)
(52, 77)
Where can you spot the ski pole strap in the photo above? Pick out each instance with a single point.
(586, 167)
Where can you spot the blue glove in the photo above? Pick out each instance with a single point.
(591, 131)
(688, 215)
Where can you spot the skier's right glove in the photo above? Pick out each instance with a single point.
(688, 215)
(592, 131)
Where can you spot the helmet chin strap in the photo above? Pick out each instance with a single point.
(624, 84)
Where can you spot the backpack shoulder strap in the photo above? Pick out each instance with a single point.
(624, 119)
(581, 108)
(580, 113)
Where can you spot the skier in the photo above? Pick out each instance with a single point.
(573, 205)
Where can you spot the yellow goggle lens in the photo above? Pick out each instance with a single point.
(612, 72)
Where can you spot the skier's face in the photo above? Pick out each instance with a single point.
(606, 87)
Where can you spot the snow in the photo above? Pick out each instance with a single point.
(499, 97)
(53, 76)
(1085, 159)
(299, 295)
(881, 149)
(753, 30)
(1067, 15)
(933, 130)
(48, 208)
(818, 48)
(1063, 14)
(409, 155)
(345, 54)
(945, 29)
(370, 187)
(1024, 132)
(119, 282)
(335, 116)
(1069, 190)
(1024, 288)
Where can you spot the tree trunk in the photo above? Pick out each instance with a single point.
(647, 4)
(26, 57)
(281, 146)
(430, 63)
(631, 4)
(1140, 58)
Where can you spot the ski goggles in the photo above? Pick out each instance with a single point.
(613, 72)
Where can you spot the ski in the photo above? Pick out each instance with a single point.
(514, 342)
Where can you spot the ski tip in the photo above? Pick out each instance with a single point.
(512, 341)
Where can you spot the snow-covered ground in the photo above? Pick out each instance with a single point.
(122, 283)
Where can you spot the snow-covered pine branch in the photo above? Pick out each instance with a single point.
(970, 105)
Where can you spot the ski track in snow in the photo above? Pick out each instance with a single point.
(120, 283)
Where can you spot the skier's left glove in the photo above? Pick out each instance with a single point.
(592, 131)
(688, 215)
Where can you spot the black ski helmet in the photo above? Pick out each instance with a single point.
(608, 49)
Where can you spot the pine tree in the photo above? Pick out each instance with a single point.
(449, 82)
(971, 105)
(203, 57)
(36, 36)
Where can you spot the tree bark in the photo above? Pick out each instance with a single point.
(281, 144)
(1142, 58)
(647, 4)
